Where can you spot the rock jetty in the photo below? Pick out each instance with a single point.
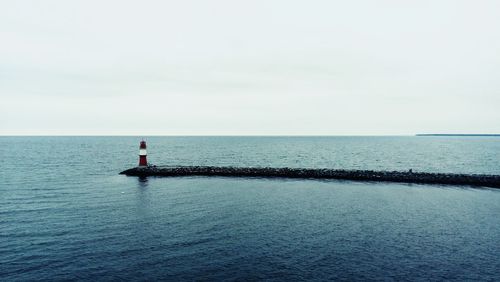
(359, 175)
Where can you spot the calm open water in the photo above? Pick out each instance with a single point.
(66, 214)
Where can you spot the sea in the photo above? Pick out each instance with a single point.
(66, 214)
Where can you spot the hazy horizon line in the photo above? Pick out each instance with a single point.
(247, 135)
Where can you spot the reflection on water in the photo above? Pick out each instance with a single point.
(142, 181)
(143, 198)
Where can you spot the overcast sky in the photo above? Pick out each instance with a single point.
(249, 67)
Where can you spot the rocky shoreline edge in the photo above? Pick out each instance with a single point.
(477, 180)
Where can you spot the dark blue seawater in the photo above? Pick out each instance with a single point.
(66, 214)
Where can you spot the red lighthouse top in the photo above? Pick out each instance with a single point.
(143, 145)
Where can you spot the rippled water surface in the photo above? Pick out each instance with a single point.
(65, 213)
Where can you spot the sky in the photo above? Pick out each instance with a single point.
(228, 67)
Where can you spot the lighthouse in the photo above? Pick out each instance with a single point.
(143, 154)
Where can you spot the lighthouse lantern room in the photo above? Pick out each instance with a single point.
(143, 154)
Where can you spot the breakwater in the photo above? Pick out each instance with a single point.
(359, 175)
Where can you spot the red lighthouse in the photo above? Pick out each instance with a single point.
(143, 154)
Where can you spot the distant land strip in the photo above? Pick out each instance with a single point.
(439, 134)
(306, 173)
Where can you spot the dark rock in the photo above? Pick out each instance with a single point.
(362, 175)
